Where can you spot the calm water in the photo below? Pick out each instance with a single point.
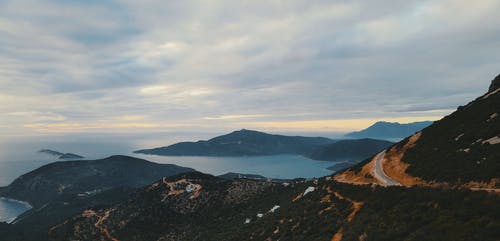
(18, 156)
(10, 209)
(279, 166)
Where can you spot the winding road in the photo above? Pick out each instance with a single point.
(379, 174)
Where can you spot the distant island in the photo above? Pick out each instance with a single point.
(390, 130)
(60, 155)
(254, 143)
(243, 143)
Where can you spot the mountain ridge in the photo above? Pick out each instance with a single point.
(391, 130)
(242, 143)
(254, 143)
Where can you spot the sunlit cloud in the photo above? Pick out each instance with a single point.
(126, 65)
(341, 125)
(232, 117)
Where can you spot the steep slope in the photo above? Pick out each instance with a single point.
(80, 177)
(352, 150)
(463, 148)
(389, 130)
(242, 143)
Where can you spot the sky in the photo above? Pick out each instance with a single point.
(91, 66)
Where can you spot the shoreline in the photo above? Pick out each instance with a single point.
(26, 205)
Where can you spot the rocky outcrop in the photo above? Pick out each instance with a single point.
(495, 84)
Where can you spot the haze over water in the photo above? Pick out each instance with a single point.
(20, 155)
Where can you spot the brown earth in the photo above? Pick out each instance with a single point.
(365, 176)
(396, 169)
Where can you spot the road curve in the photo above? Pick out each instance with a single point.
(379, 174)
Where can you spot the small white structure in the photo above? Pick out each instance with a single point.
(308, 190)
(190, 188)
(285, 184)
(260, 215)
(247, 220)
(274, 208)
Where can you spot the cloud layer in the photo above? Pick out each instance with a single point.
(304, 65)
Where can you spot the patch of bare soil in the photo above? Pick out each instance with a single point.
(365, 176)
(396, 169)
(356, 207)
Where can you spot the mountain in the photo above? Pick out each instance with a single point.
(243, 143)
(351, 150)
(65, 156)
(254, 143)
(461, 149)
(53, 180)
(196, 206)
(389, 130)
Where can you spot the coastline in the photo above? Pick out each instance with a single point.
(26, 205)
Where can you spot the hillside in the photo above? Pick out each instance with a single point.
(352, 150)
(462, 149)
(202, 207)
(243, 143)
(389, 130)
(51, 181)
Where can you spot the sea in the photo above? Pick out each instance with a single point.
(19, 155)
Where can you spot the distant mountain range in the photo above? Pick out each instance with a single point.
(65, 156)
(389, 130)
(255, 143)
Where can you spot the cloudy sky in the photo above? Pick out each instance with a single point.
(148, 66)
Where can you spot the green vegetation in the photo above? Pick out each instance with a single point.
(399, 213)
(453, 149)
(219, 213)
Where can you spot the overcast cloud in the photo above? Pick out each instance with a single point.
(120, 66)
